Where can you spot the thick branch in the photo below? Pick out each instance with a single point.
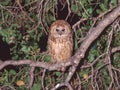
(33, 63)
(95, 32)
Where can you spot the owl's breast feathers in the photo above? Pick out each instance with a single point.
(60, 50)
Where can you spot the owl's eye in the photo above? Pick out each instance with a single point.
(57, 30)
(63, 30)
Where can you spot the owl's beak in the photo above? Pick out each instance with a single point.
(60, 33)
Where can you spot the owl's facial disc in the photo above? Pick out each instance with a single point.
(60, 31)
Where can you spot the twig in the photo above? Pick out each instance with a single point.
(78, 23)
(31, 77)
(24, 13)
(40, 13)
(69, 10)
(96, 73)
(79, 88)
(43, 77)
(108, 58)
(61, 85)
(113, 50)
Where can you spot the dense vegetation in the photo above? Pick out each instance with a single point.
(24, 28)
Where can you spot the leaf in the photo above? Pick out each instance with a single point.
(84, 15)
(93, 54)
(91, 57)
(73, 7)
(12, 72)
(58, 74)
(20, 83)
(113, 2)
(76, 45)
(47, 58)
(3, 32)
(85, 76)
(104, 7)
(25, 49)
(4, 3)
(36, 86)
(51, 17)
(98, 11)
(90, 10)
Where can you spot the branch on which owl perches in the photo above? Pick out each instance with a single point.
(44, 65)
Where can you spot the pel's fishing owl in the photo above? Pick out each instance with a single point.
(60, 41)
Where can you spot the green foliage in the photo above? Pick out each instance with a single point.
(36, 86)
(47, 58)
(116, 59)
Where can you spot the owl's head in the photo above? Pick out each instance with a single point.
(60, 29)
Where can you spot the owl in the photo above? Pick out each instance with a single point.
(60, 41)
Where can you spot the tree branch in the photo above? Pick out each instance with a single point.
(95, 32)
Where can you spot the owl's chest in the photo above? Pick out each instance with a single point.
(60, 50)
(59, 47)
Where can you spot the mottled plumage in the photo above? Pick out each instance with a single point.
(60, 41)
